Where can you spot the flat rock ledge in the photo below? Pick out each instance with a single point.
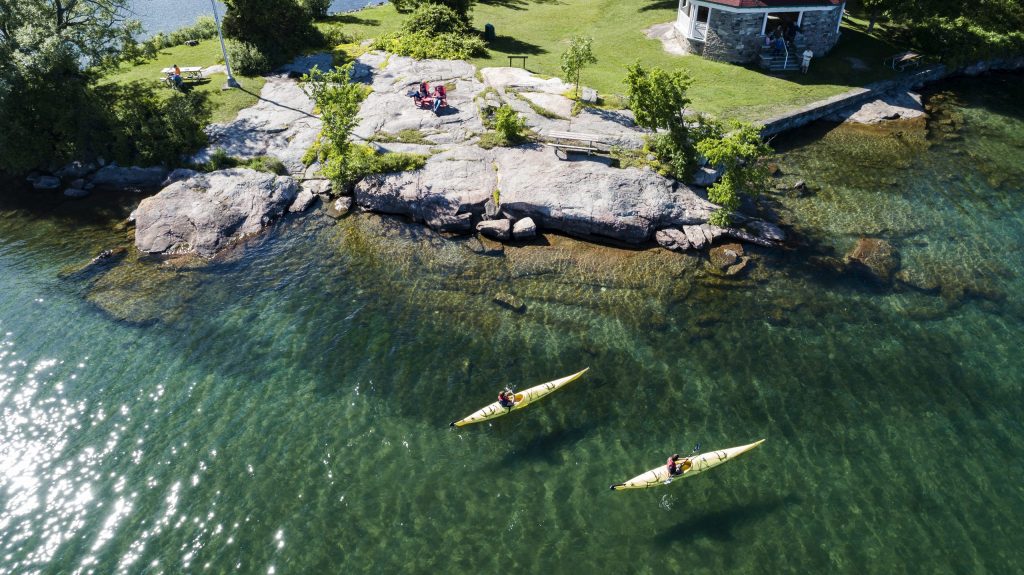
(204, 213)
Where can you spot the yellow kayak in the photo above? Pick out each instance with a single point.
(522, 399)
(690, 465)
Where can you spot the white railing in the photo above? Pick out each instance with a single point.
(700, 31)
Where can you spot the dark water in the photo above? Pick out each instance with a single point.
(168, 15)
(285, 410)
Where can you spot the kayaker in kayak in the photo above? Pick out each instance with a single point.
(506, 398)
(675, 467)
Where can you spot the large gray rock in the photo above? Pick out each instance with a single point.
(208, 212)
(524, 229)
(281, 124)
(114, 177)
(339, 207)
(302, 201)
(45, 183)
(583, 199)
(500, 230)
(76, 193)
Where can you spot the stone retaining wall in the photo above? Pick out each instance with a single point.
(858, 96)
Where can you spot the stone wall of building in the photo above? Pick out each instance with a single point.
(734, 36)
(819, 30)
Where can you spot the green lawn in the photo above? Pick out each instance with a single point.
(226, 103)
(540, 29)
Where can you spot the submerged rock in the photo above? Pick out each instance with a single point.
(206, 213)
(725, 255)
(875, 258)
(510, 301)
(45, 183)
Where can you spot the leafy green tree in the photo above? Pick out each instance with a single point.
(579, 55)
(338, 99)
(658, 100)
(318, 9)
(739, 153)
(51, 52)
(279, 28)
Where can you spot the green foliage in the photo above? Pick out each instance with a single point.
(396, 162)
(509, 124)
(139, 126)
(962, 40)
(404, 137)
(579, 55)
(460, 7)
(317, 9)
(221, 160)
(658, 100)
(423, 45)
(247, 59)
(738, 152)
(268, 164)
(435, 19)
(496, 196)
(338, 100)
(336, 36)
(279, 28)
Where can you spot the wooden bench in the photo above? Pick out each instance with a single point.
(575, 142)
(520, 58)
(902, 61)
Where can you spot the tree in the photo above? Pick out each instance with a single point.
(338, 99)
(51, 52)
(658, 100)
(579, 54)
(739, 154)
(279, 28)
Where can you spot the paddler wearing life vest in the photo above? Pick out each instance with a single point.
(506, 398)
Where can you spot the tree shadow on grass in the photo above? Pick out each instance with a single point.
(720, 525)
(510, 45)
(660, 5)
(516, 4)
(352, 19)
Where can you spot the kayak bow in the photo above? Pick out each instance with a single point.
(697, 464)
(523, 398)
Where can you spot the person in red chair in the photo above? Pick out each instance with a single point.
(440, 97)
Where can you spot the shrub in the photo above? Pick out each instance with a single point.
(658, 100)
(508, 123)
(338, 100)
(142, 127)
(435, 19)
(423, 45)
(317, 9)
(279, 28)
(247, 59)
(268, 164)
(739, 153)
(336, 36)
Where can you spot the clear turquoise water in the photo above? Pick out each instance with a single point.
(286, 409)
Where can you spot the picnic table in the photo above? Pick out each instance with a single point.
(903, 60)
(575, 142)
(522, 59)
(188, 74)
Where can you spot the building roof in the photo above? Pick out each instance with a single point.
(774, 3)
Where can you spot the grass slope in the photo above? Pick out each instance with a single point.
(226, 103)
(540, 29)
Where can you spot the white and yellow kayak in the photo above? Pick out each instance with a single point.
(691, 466)
(522, 399)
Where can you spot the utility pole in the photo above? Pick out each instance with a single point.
(232, 83)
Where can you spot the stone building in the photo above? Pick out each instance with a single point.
(738, 30)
